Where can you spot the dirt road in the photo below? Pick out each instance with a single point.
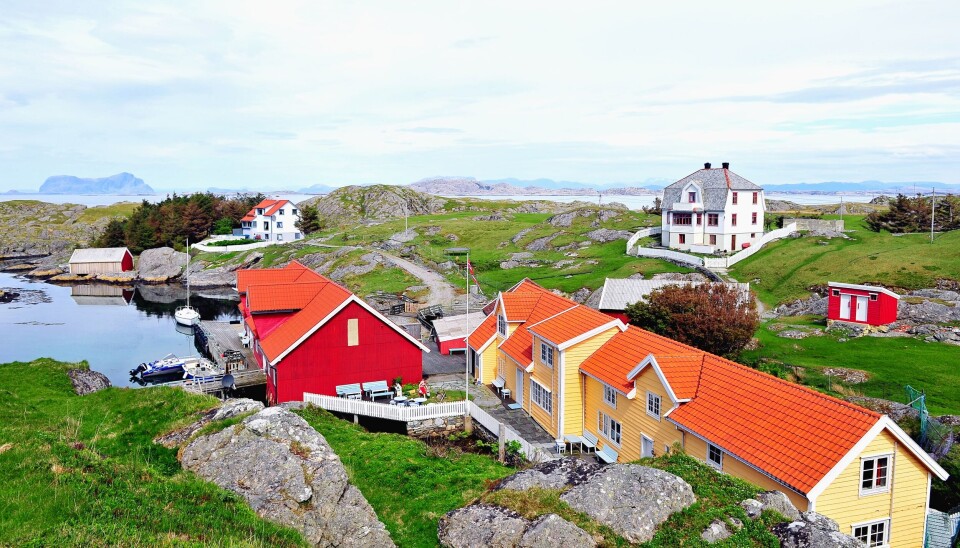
(442, 292)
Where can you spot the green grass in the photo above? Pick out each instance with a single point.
(119, 209)
(892, 363)
(85, 471)
(409, 486)
(382, 278)
(787, 268)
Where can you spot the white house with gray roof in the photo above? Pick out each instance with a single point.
(710, 210)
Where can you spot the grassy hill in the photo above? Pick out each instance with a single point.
(787, 268)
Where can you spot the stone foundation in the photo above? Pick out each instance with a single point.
(817, 225)
(429, 428)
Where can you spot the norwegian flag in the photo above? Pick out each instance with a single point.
(472, 274)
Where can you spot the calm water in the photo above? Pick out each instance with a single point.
(113, 332)
(107, 199)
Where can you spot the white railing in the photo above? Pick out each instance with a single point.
(642, 234)
(667, 254)
(532, 452)
(726, 262)
(238, 247)
(385, 411)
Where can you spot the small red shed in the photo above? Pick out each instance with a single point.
(451, 332)
(866, 304)
(309, 334)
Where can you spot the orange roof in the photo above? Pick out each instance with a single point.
(518, 306)
(613, 362)
(248, 217)
(683, 373)
(281, 296)
(519, 346)
(293, 272)
(251, 325)
(484, 332)
(327, 299)
(540, 305)
(270, 207)
(570, 324)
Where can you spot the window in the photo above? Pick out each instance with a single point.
(266, 225)
(734, 198)
(683, 238)
(713, 219)
(546, 354)
(873, 296)
(875, 533)
(502, 325)
(756, 196)
(610, 396)
(754, 218)
(733, 219)
(353, 332)
(715, 456)
(279, 237)
(541, 396)
(253, 224)
(874, 472)
(293, 211)
(836, 292)
(280, 225)
(753, 235)
(610, 428)
(699, 219)
(682, 219)
(713, 239)
(281, 212)
(653, 405)
(260, 211)
(692, 197)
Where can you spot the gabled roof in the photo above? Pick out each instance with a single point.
(683, 373)
(870, 288)
(519, 306)
(519, 345)
(571, 324)
(456, 327)
(282, 297)
(613, 362)
(483, 333)
(616, 294)
(269, 206)
(285, 337)
(99, 255)
(714, 182)
(293, 272)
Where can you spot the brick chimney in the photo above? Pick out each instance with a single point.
(726, 165)
(706, 165)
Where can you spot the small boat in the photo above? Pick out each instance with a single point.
(201, 370)
(169, 365)
(187, 315)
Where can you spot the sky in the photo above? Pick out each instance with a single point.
(283, 95)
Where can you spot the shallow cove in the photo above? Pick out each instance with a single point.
(113, 328)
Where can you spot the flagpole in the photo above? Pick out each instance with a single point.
(466, 374)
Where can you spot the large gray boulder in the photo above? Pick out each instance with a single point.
(631, 499)
(553, 474)
(541, 244)
(779, 502)
(161, 264)
(87, 381)
(481, 525)
(288, 474)
(229, 409)
(604, 235)
(813, 530)
(551, 530)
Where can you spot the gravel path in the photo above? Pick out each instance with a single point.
(441, 291)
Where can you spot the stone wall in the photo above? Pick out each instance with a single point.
(817, 225)
(429, 428)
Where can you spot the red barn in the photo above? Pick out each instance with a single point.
(309, 334)
(867, 304)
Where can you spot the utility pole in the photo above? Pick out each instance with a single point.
(406, 227)
(933, 211)
(841, 208)
(466, 373)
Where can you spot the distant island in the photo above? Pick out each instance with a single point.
(121, 183)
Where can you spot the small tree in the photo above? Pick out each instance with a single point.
(223, 226)
(715, 318)
(309, 219)
(114, 235)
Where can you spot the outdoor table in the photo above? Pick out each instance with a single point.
(506, 393)
(572, 439)
(399, 400)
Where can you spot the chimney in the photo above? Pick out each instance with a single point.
(706, 165)
(726, 165)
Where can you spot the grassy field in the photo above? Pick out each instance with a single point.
(84, 471)
(408, 484)
(787, 268)
(119, 209)
(891, 363)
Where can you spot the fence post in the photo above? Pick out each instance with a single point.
(467, 418)
(502, 435)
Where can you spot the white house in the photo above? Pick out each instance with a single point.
(272, 220)
(711, 210)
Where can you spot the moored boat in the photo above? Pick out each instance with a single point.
(167, 366)
(201, 370)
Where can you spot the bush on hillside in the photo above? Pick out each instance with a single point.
(913, 215)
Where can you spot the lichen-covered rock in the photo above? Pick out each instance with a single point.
(604, 235)
(481, 525)
(87, 381)
(715, 532)
(553, 474)
(779, 502)
(631, 499)
(288, 473)
(752, 507)
(806, 534)
(161, 264)
(541, 244)
(550, 531)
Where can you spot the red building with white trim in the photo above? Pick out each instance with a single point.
(866, 304)
(310, 334)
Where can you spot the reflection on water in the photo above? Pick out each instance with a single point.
(114, 328)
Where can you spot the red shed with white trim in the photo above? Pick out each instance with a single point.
(866, 304)
(311, 335)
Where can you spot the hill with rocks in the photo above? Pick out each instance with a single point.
(121, 183)
(375, 202)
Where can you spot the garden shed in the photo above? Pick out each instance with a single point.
(101, 260)
(866, 304)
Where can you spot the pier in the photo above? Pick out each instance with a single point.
(220, 341)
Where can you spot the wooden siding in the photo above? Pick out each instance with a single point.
(96, 268)
(907, 496)
(573, 418)
(488, 361)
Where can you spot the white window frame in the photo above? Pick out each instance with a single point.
(886, 486)
(280, 211)
(885, 541)
(610, 428)
(546, 354)
(610, 396)
(710, 461)
(540, 395)
(279, 224)
(501, 325)
(654, 398)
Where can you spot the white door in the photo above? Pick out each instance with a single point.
(519, 395)
(646, 447)
(844, 307)
(861, 309)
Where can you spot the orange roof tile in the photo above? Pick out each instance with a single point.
(484, 332)
(519, 346)
(269, 206)
(683, 373)
(277, 204)
(612, 362)
(791, 432)
(518, 306)
(570, 324)
(251, 325)
(326, 300)
(293, 272)
(281, 296)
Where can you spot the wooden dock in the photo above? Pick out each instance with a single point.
(220, 340)
(213, 385)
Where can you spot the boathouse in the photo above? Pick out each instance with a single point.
(101, 260)
(309, 334)
(866, 304)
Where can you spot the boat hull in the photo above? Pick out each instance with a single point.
(187, 316)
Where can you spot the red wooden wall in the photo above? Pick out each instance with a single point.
(452, 344)
(618, 314)
(879, 312)
(127, 262)
(324, 360)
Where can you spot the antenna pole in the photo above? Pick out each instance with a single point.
(933, 211)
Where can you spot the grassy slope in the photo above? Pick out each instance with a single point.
(409, 488)
(892, 363)
(119, 209)
(84, 471)
(786, 268)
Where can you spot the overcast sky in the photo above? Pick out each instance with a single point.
(269, 95)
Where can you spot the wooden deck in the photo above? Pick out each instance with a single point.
(214, 385)
(219, 338)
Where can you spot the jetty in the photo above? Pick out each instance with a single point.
(221, 342)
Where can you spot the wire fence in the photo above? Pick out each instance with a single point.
(936, 438)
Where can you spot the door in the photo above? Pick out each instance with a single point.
(519, 395)
(733, 242)
(844, 307)
(646, 447)
(861, 309)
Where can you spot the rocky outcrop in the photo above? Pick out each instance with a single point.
(87, 381)
(375, 202)
(567, 217)
(220, 276)
(604, 235)
(541, 244)
(814, 306)
(487, 525)
(161, 264)
(812, 530)
(554, 474)
(296, 479)
(778, 502)
(229, 409)
(720, 530)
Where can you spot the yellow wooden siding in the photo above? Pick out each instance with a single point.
(573, 419)
(907, 496)
(488, 361)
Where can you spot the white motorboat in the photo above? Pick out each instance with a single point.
(187, 315)
(201, 370)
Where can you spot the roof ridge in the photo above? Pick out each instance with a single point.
(551, 317)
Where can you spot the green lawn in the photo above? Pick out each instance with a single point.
(119, 209)
(787, 268)
(84, 471)
(892, 363)
(409, 484)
